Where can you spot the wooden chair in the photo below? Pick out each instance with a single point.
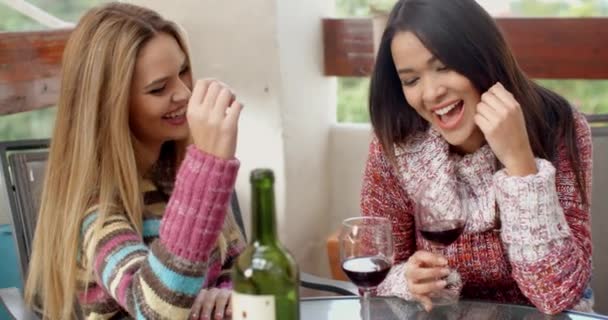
(599, 220)
(23, 164)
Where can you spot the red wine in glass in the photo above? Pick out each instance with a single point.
(441, 213)
(366, 253)
(366, 272)
(443, 232)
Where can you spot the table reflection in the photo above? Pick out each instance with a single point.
(387, 308)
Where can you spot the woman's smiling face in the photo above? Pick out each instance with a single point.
(443, 97)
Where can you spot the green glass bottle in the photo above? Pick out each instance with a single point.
(265, 276)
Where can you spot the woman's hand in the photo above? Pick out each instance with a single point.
(502, 122)
(424, 273)
(213, 114)
(212, 303)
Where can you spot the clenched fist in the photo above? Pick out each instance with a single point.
(213, 114)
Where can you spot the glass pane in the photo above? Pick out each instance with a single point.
(589, 96)
(11, 20)
(67, 10)
(361, 8)
(35, 124)
(513, 8)
(352, 100)
(546, 8)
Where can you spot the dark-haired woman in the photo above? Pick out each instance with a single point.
(448, 101)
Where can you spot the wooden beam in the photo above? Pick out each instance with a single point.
(348, 47)
(559, 48)
(554, 48)
(30, 63)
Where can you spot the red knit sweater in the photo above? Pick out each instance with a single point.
(527, 239)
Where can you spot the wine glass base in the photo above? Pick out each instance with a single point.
(451, 293)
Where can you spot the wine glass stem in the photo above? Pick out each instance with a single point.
(438, 249)
(366, 305)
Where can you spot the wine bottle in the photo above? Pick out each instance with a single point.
(265, 276)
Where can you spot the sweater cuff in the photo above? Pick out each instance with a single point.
(531, 215)
(195, 213)
(395, 283)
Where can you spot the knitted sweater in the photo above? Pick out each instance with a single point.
(160, 275)
(527, 239)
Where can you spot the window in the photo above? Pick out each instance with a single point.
(37, 123)
(591, 96)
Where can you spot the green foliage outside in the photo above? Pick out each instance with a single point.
(591, 96)
(36, 124)
(67, 10)
(352, 99)
(361, 8)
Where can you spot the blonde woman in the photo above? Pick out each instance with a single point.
(133, 221)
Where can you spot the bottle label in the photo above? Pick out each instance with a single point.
(252, 307)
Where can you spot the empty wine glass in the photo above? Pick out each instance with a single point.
(366, 253)
(441, 217)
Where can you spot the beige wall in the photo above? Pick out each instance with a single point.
(237, 44)
(308, 105)
(270, 52)
(348, 152)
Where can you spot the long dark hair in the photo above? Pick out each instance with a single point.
(465, 38)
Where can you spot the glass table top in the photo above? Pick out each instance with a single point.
(388, 308)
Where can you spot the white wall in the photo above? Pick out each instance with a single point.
(236, 43)
(349, 144)
(308, 105)
(270, 53)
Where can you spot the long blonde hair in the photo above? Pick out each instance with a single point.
(91, 159)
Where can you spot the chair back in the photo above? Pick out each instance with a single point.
(23, 165)
(236, 212)
(599, 218)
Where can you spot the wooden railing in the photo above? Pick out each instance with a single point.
(554, 48)
(30, 63)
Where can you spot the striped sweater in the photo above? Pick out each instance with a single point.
(527, 239)
(159, 276)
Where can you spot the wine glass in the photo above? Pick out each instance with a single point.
(441, 217)
(366, 253)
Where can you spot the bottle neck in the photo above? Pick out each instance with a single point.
(263, 211)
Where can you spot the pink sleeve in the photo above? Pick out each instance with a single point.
(174, 267)
(195, 213)
(546, 227)
(382, 195)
